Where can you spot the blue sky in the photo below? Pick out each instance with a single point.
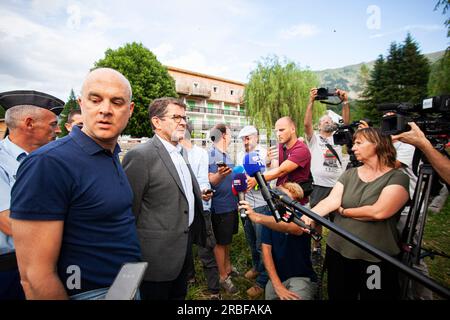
(49, 45)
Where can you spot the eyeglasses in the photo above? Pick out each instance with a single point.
(177, 118)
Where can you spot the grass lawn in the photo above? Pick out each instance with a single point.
(436, 237)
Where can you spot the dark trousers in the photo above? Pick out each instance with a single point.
(168, 290)
(348, 279)
(253, 236)
(318, 194)
(10, 287)
(207, 258)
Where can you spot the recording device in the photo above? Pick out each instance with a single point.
(323, 95)
(208, 191)
(221, 164)
(344, 136)
(289, 214)
(432, 116)
(253, 166)
(394, 261)
(127, 281)
(240, 186)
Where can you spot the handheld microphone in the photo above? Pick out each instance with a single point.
(253, 166)
(238, 169)
(240, 186)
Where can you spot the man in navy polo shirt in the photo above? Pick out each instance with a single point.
(71, 204)
(224, 216)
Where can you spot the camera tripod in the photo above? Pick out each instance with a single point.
(412, 233)
(408, 271)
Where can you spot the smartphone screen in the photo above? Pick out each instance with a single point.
(221, 164)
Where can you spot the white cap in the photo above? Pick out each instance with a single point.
(247, 131)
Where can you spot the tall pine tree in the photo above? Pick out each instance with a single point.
(401, 77)
(374, 91)
(414, 72)
(70, 105)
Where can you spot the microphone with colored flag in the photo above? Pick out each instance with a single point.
(240, 186)
(253, 166)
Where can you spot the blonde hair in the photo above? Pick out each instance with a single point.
(294, 189)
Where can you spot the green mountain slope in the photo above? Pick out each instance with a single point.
(346, 77)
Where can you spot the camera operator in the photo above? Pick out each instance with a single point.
(417, 138)
(326, 157)
(368, 199)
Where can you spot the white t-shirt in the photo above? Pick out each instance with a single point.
(405, 153)
(325, 167)
(254, 197)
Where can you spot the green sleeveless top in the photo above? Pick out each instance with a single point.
(382, 234)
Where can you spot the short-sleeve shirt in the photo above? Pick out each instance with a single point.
(198, 159)
(300, 155)
(223, 200)
(291, 254)
(405, 154)
(382, 234)
(254, 196)
(10, 157)
(325, 166)
(76, 181)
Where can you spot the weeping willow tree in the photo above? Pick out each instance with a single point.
(277, 89)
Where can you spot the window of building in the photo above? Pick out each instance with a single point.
(215, 89)
(195, 85)
(231, 92)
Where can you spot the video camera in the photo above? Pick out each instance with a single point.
(323, 95)
(344, 133)
(344, 136)
(432, 116)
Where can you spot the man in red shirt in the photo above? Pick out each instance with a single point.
(295, 158)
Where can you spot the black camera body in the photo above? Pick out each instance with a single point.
(344, 133)
(432, 116)
(324, 93)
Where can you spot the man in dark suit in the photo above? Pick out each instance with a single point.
(167, 202)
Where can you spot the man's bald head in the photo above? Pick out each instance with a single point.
(285, 131)
(100, 73)
(286, 121)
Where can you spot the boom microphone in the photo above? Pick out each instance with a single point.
(253, 166)
(240, 186)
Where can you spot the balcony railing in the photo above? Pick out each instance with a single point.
(195, 108)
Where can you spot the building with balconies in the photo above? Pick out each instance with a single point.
(210, 100)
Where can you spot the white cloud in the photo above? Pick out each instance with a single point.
(74, 19)
(39, 57)
(300, 31)
(47, 7)
(196, 61)
(163, 50)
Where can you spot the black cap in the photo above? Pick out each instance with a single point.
(29, 97)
